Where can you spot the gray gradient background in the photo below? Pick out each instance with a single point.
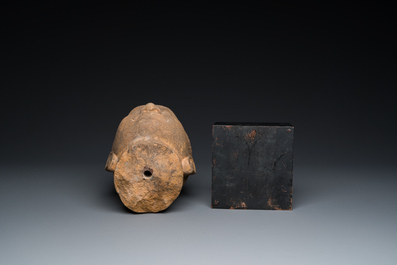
(71, 73)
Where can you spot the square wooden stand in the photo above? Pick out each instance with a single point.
(252, 165)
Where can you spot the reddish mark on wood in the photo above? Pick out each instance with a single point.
(242, 205)
(274, 206)
(251, 135)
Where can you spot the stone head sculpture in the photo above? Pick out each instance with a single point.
(151, 158)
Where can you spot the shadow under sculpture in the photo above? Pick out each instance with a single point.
(151, 158)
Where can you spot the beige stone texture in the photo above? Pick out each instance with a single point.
(151, 159)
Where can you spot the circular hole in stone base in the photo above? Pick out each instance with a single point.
(148, 172)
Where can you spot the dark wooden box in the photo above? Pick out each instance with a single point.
(252, 165)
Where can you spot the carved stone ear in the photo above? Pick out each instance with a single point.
(188, 165)
(111, 162)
